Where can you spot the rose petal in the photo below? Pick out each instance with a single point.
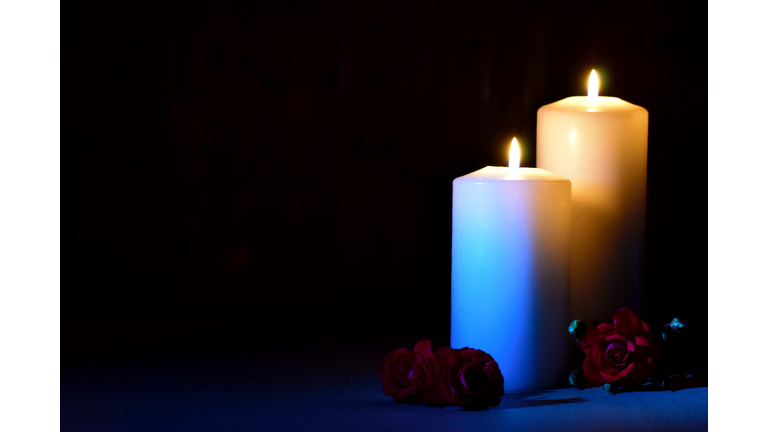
(590, 337)
(402, 373)
(626, 371)
(610, 376)
(642, 341)
(622, 354)
(615, 353)
(465, 377)
(423, 347)
(637, 374)
(606, 331)
(647, 346)
(594, 354)
(401, 353)
(626, 321)
(630, 351)
(591, 371)
(443, 353)
(450, 398)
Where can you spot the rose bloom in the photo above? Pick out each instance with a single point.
(621, 353)
(405, 374)
(467, 377)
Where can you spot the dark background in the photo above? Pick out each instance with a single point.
(285, 168)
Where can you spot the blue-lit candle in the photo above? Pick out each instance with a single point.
(510, 271)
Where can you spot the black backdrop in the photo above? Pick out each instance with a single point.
(290, 164)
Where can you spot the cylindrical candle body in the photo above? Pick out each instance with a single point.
(601, 145)
(510, 272)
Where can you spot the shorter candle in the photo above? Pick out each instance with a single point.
(510, 271)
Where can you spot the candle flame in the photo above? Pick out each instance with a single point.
(514, 154)
(594, 84)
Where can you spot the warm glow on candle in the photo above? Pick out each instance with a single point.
(594, 84)
(514, 154)
(600, 144)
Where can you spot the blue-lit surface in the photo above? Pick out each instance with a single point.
(332, 385)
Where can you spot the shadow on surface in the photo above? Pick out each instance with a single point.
(676, 382)
(682, 382)
(538, 403)
(506, 403)
(520, 399)
(368, 371)
(532, 398)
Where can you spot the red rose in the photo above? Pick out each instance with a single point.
(405, 373)
(467, 377)
(621, 353)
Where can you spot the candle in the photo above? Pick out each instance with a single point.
(601, 144)
(510, 271)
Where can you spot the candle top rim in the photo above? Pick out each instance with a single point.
(594, 104)
(497, 173)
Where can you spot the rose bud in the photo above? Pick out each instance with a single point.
(621, 354)
(676, 325)
(404, 372)
(467, 377)
(576, 379)
(577, 329)
(661, 381)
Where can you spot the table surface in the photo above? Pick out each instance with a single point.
(332, 385)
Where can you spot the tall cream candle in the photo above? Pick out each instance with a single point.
(601, 144)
